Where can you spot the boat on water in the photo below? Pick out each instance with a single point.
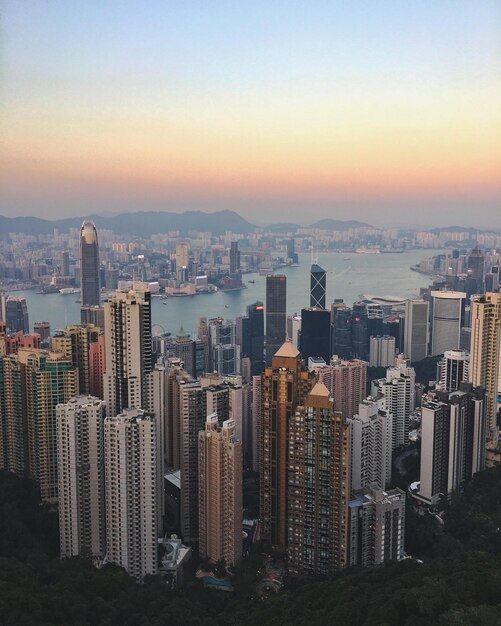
(251, 281)
(48, 289)
(368, 250)
(68, 291)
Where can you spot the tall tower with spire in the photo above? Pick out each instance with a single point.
(317, 283)
(89, 265)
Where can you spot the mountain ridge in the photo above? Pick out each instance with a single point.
(146, 223)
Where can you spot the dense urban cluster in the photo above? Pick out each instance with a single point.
(146, 443)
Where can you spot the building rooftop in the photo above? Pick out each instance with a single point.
(320, 390)
(287, 350)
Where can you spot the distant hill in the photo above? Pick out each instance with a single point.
(142, 224)
(283, 227)
(329, 224)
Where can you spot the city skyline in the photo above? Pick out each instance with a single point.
(259, 108)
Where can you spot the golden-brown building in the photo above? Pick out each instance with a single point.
(318, 487)
(220, 492)
(284, 387)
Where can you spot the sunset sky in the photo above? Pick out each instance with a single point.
(384, 111)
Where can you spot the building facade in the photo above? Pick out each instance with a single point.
(220, 492)
(80, 459)
(318, 487)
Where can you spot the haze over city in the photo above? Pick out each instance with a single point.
(387, 112)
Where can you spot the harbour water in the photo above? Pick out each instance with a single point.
(348, 276)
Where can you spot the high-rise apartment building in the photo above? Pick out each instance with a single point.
(13, 442)
(43, 329)
(220, 492)
(317, 286)
(80, 460)
(46, 380)
(346, 382)
(416, 329)
(284, 387)
(485, 353)
(127, 380)
(130, 450)
(377, 523)
(381, 351)
(317, 487)
(453, 428)
(193, 411)
(89, 266)
(447, 320)
(276, 292)
(397, 396)
(97, 366)
(75, 342)
(255, 435)
(453, 369)
(370, 446)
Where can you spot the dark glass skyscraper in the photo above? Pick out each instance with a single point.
(315, 334)
(317, 287)
(16, 314)
(360, 331)
(89, 265)
(342, 333)
(234, 257)
(254, 340)
(276, 289)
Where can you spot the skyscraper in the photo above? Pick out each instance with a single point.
(250, 336)
(382, 351)
(75, 342)
(453, 369)
(234, 257)
(315, 334)
(284, 387)
(16, 314)
(220, 492)
(276, 290)
(317, 486)
(80, 458)
(317, 286)
(342, 332)
(485, 353)
(89, 266)
(377, 521)
(46, 379)
(370, 446)
(447, 319)
(452, 440)
(396, 393)
(476, 267)
(127, 380)
(360, 331)
(346, 382)
(416, 329)
(130, 449)
(196, 401)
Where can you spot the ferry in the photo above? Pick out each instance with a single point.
(68, 291)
